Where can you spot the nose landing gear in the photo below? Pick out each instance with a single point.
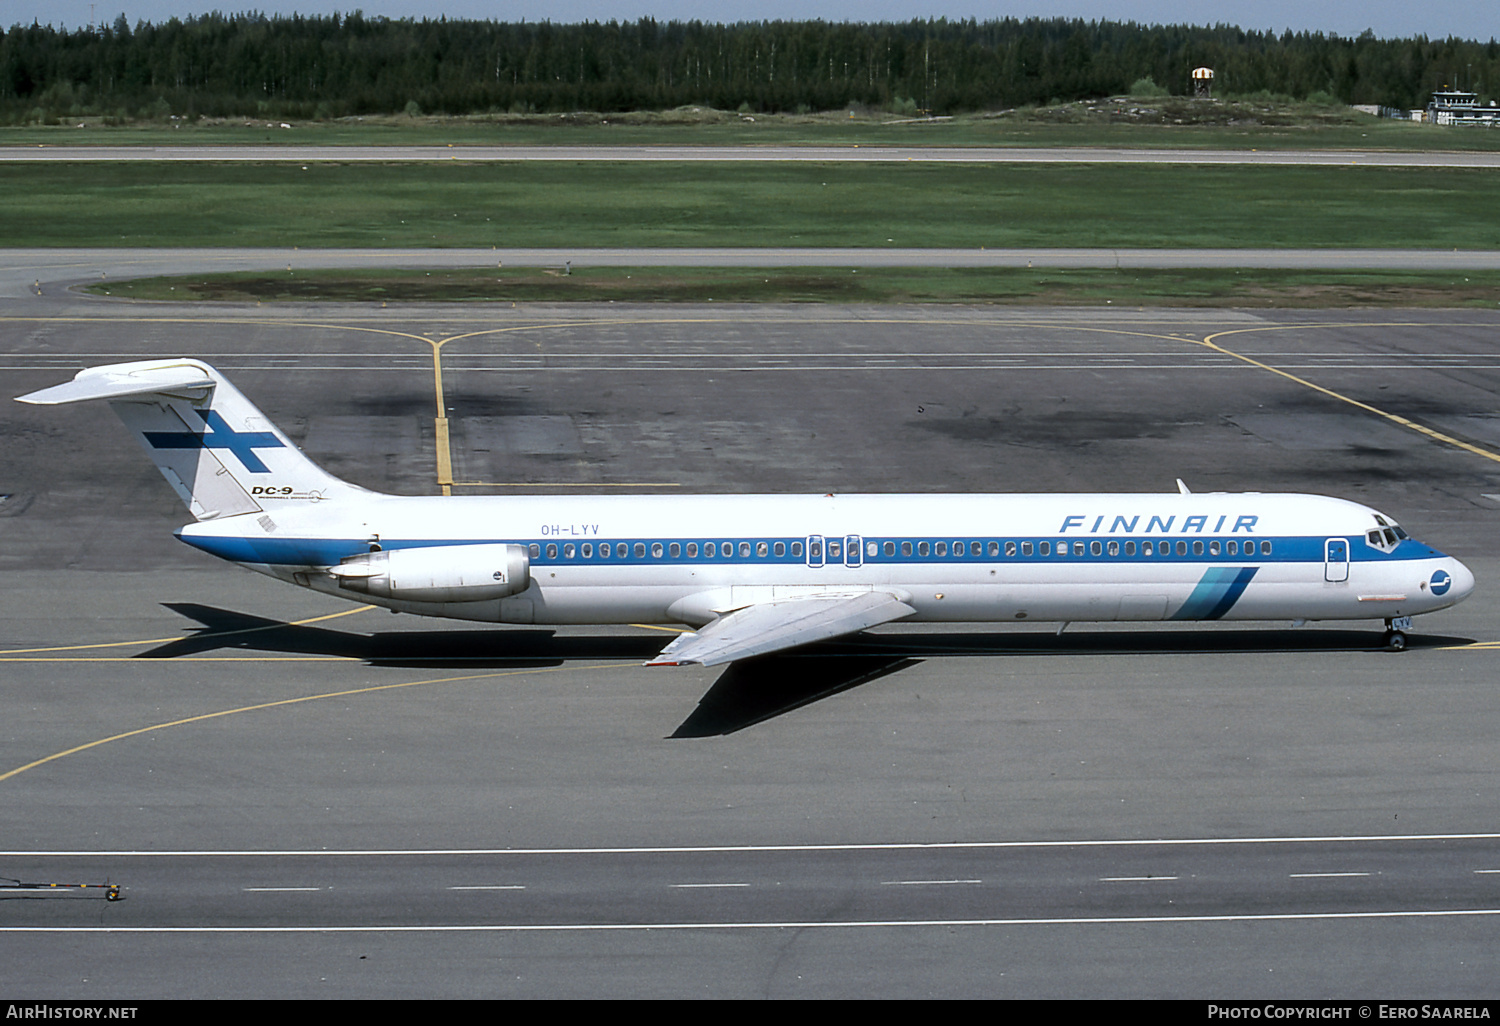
(1395, 633)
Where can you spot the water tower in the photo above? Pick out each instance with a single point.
(1203, 80)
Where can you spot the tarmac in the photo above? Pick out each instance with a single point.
(304, 798)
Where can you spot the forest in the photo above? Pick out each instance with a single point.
(233, 65)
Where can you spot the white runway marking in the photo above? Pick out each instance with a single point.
(734, 848)
(925, 883)
(853, 924)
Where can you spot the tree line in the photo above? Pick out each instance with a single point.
(323, 67)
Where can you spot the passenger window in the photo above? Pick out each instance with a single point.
(797, 549)
(835, 550)
(1265, 548)
(762, 549)
(656, 550)
(1146, 548)
(1182, 548)
(1026, 548)
(1114, 548)
(1197, 548)
(779, 548)
(640, 550)
(692, 550)
(1047, 549)
(890, 548)
(871, 549)
(587, 551)
(906, 548)
(923, 548)
(1213, 548)
(815, 550)
(709, 550)
(1078, 548)
(551, 551)
(994, 548)
(568, 551)
(535, 550)
(674, 550)
(744, 550)
(942, 548)
(1010, 548)
(1232, 548)
(1096, 548)
(1130, 548)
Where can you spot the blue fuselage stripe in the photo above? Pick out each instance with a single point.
(1216, 593)
(290, 551)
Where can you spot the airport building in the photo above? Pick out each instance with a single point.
(1454, 107)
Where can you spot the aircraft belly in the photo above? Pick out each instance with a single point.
(612, 604)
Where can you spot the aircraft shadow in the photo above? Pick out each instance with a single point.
(1165, 641)
(750, 691)
(755, 690)
(225, 629)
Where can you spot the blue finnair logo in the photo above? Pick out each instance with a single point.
(1442, 580)
(219, 436)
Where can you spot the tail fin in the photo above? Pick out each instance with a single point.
(216, 450)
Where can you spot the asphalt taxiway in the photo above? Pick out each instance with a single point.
(47, 274)
(306, 798)
(290, 152)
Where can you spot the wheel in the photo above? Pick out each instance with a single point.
(1395, 641)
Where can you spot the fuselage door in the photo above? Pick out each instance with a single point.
(1336, 559)
(853, 550)
(815, 550)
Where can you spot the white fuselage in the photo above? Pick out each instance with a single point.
(1065, 557)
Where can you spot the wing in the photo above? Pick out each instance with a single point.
(781, 624)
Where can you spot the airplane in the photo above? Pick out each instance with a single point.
(756, 574)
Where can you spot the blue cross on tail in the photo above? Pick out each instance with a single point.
(219, 436)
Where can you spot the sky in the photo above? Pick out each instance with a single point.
(1386, 18)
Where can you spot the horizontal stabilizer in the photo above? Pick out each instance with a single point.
(123, 380)
(782, 624)
(220, 454)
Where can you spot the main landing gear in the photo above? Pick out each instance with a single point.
(1395, 633)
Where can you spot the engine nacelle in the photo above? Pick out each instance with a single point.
(439, 573)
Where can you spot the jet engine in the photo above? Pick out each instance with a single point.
(438, 573)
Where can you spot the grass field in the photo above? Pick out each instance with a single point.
(706, 204)
(1175, 123)
(1044, 287)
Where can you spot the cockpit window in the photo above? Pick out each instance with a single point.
(1386, 537)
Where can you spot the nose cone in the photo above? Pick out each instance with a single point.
(1451, 582)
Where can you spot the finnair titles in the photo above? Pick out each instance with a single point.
(753, 574)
